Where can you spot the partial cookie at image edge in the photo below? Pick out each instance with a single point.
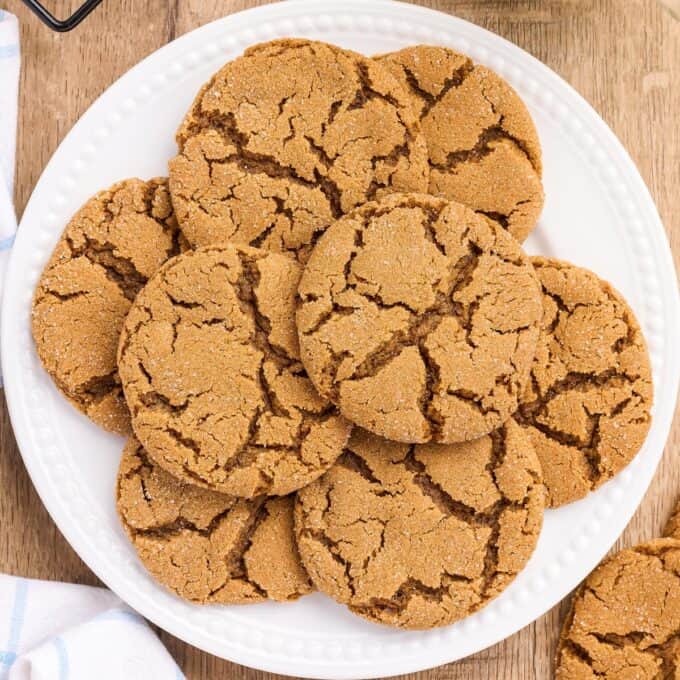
(614, 626)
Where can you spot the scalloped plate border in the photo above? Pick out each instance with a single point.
(215, 629)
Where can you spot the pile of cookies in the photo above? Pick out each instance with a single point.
(334, 363)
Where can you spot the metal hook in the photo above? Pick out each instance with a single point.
(61, 25)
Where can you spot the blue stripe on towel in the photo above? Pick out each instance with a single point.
(7, 658)
(16, 621)
(62, 657)
(8, 51)
(120, 615)
(7, 243)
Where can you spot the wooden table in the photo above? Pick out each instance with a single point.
(622, 55)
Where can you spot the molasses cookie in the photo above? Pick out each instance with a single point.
(108, 250)
(287, 138)
(210, 366)
(421, 536)
(625, 618)
(203, 545)
(483, 146)
(419, 319)
(587, 406)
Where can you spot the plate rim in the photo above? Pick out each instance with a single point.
(266, 661)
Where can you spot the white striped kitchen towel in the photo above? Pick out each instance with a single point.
(60, 631)
(9, 90)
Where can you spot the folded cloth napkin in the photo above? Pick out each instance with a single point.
(9, 89)
(60, 631)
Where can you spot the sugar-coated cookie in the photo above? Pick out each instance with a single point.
(287, 138)
(421, 536)
(483, 146)
(108, 250)
(625, 618)
(209, 363)
(587, 405)
(205, 546)
(419, 319)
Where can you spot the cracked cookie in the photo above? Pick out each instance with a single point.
(205, 546)
(587, 405)
(419, 319)
(483, 147)
(672, 528)
(209, 363)
(625, 618)
(287, 138)
(421, 536)
(108, 250)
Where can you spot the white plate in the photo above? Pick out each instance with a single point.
(598, 213)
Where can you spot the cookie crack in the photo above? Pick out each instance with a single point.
(416, 333)
(456, 79)
(503, 218)
(484, 146)
(235, 561)
(334, 550)
(64, 297)
(351, 461)
(95, 389)
(582, 654)
(519, 143)
(409, 589)
(528, 414)
(257, 163)
(168, 530)
(119, 270)
(444, 502)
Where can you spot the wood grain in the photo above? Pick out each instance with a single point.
(622, 55)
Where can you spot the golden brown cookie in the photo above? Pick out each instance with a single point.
(624, 622)
(209, 362)
(419, 319)
(421, 536)
(672, 529)
(483, 146)
(108, 250)
(587, 404)
(287, 138)
(203, 545)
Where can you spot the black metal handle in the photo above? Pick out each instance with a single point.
(61, 25)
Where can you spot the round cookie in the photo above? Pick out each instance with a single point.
(421, 536)
(483, 146)
(587, 406)
(205, 546)
(419, 319)
(287, 138)
(625, 618)
(209, 362)
(106, 253)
